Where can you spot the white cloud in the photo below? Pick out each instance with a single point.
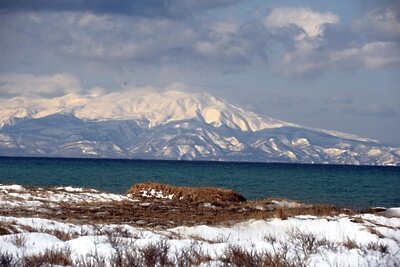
(371, 41)
(62, 83)
(311, 22)
(303, 55)
(310, 58)
(370, 55)
(88, 19)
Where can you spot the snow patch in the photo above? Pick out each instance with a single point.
(14, 196)
(290, 155)
(374, 152)
(333, 151)
(300, 142)
(155, 194)
(212, 116)
(13, 187)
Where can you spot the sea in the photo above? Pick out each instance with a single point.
(357, 187)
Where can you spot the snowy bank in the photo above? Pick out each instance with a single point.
(70, 239)
(368, 240)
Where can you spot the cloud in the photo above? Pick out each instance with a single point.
(373, 110)
(370, 55)
(314, 42)
(57, 84)
(141, 8)
(338, 100)
(381, 23)
(293, 41)
(302, 30)
(105, 40)
(312, 23)
(153, 41)
(232, 44)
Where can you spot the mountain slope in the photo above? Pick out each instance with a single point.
(171, 125)
(150, 108)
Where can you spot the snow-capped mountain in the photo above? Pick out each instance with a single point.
(171, 125)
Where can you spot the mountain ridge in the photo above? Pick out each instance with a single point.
(172, 125)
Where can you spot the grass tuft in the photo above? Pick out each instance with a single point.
(350, 244)
(281, 214)
(50, 257)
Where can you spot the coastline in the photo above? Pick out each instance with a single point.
(357, 187)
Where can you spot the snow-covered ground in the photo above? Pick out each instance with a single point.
(14, 196)
(344, 240)
(338, 241)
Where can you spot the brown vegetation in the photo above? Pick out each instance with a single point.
(191, 194)
(166, 213)
(350, 244)
(7, 228)
(49, 258)
(281, 214)
(208, 206)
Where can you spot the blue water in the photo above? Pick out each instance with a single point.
(350, 186)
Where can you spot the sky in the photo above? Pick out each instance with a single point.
(326, 64)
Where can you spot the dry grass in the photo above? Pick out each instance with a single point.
(7, 228)
(191, 256)
(281, 214)
(166, 213)
(382, 248)
(62, 235)
(295, 252)
(350, 244)
(196, 194)
(357, 219)
(373, 231)
(208, 206)
(50, 257)
(237, 256)
(18, 240)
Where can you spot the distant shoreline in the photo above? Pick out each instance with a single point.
(200, 161)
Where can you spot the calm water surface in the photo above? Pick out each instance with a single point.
(351, 186)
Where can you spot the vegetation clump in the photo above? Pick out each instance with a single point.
(190, 194)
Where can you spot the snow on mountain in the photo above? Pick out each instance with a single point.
(152, 108)
(171, 125)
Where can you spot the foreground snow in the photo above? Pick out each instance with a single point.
(366, 240)
(344, 240)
